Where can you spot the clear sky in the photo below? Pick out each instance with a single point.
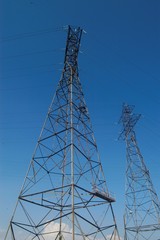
(119, 62)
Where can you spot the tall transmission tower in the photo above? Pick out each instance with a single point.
(142, 208)
(64, 195)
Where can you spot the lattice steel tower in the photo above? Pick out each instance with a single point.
(142, 208)
(64, 195)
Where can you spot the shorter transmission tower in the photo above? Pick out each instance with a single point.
(142, 208)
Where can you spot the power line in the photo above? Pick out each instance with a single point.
(30, 54)
(31, 34)
(27, 75)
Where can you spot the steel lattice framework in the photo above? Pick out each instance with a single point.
(142, 208)
(64, 195)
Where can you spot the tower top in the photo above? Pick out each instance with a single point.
(128, 120)
(72, 45)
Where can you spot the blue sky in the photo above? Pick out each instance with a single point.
(119, 62)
